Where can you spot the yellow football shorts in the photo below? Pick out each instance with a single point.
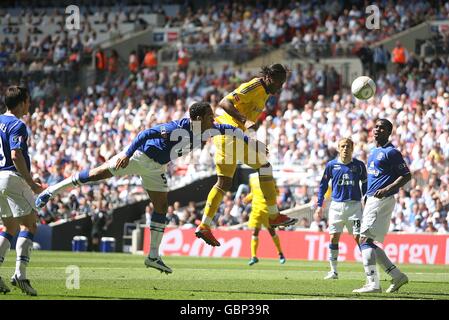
(258, 218)
(230, 150)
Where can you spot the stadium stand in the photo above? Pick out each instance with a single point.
(301, 127)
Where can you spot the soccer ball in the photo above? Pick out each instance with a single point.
(363, 88)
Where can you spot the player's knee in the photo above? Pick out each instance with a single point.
(363, 240)
(161, 207)
(100, 173)
(224, 183)
(334, 238)
(12, 230)
(30, 227)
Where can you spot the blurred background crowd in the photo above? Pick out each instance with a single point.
(85, 126)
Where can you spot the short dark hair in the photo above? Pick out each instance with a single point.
(198, 109)
(274, 71)
(15, 95)
(387, 124)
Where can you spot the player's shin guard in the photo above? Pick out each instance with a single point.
(213, 201)
(333, 256)
(386, 263)
(23, 248)
(277, 243)
(254, 245)
(369, 263)
(268, 187)
(5, 244)
(157, 228)
(75, 180)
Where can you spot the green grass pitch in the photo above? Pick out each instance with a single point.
(124, 276)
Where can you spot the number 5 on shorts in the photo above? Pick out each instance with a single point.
(164, 178)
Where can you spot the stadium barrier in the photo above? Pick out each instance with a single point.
(303, 245)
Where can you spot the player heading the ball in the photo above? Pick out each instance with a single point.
(147, 156)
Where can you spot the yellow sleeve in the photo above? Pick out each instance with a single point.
(328, 193)
(248, 93)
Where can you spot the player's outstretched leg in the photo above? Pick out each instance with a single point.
(77, 179)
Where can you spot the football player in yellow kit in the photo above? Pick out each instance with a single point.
(243, 107)
(258, 218)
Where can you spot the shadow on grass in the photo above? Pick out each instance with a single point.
(318, 295)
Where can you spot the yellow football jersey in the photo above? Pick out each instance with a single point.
(249, 99)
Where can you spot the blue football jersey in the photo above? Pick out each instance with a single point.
(168, 141)
(385, 165)
(13, 136)
(346, 179)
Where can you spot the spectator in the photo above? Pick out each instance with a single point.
(133, 62)
(399, 56)
(113, 62)
(100, 65)
(171, 217)
(150, 60)
(444, 228)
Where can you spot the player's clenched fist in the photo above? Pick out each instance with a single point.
(122, 161)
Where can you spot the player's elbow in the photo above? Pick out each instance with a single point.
(407, 177)
(15, 155)
(225, 104)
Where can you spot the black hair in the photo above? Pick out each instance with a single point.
(15, 95)
(276, 70)
(198, 109)
(387, 124)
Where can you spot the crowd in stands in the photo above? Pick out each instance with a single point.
(335, 25)
(301, 126)
(115, 110)
(417, 101)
